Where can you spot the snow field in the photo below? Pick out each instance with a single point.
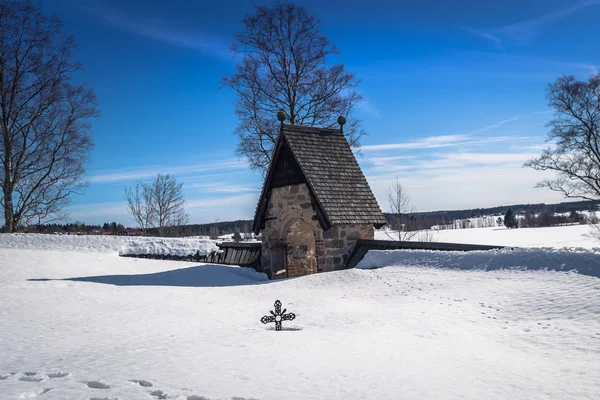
(78, 325)
(572, 236)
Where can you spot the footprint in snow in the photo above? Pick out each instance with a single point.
(30, 378)
(4, 377)
(159, 394)
(97, 385)
(141, 382)
(54, 375)
(29, 395)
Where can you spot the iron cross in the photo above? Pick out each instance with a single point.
(278, 316)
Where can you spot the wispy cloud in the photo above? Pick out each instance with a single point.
(531, 28)
(200, 210)
(459, 187)
(243, 200)
(506, 121)
(224, 187)
(424, 143)
(369, 108)
(468, 138)
(527, 30)
(130, 174)
(497, 42)
(205, 43)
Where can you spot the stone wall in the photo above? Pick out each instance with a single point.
(338, 243)
(290, 204)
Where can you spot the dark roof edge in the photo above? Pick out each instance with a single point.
(260, 207)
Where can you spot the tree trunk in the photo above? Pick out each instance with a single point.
(7, 187)
(8, 210)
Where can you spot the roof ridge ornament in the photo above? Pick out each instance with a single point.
(342, 121)
(281, 117)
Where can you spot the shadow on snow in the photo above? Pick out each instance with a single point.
(200, 276)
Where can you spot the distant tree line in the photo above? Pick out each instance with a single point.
(75, 227)
(529, 215)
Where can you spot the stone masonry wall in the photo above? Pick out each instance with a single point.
(286, 205)
(290, 203)
(339, 241)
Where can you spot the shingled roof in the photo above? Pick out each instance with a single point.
(331, 173)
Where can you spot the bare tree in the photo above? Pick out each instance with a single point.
(168, 200)
(159, 203)
(284, 68)
(575, 133)
(44, 117)
(177, 224)
(400, 207)
(140, 206)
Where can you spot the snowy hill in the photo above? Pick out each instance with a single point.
(79, 325)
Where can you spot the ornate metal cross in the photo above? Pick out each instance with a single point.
(278, 316)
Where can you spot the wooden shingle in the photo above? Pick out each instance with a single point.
(331, 173)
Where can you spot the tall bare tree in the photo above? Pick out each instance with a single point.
(140, 206)
(283, 67)
(159, 203)
(44, 116)
(575, 135)
(169, 201)
(400, 207)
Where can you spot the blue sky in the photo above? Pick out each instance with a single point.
(454, 96)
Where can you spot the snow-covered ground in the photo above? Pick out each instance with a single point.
(107, 244)
(88, 324)
(556, 236)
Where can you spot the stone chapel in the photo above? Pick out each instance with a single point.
(315, 203)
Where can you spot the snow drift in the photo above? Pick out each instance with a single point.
(107, 244)
(171, 246)
(586, 262)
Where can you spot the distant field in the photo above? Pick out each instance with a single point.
(557, 237)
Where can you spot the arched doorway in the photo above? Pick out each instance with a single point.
(301, 252)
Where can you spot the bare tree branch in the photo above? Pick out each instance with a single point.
(284, 68)
(575, 132)
(159, 203)
(400, 207)
(44, 117)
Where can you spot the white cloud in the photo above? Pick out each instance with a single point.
(460, 171)
(460, 188)
(527, 30)
(466, 139)
(205, 43)
(369, 108)
(242, 200)
(130, 174)
(533, 27)
(485, 35)
(224, 187)
(200, 210)
(489, 158)
(506, 121)
(426, 143)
